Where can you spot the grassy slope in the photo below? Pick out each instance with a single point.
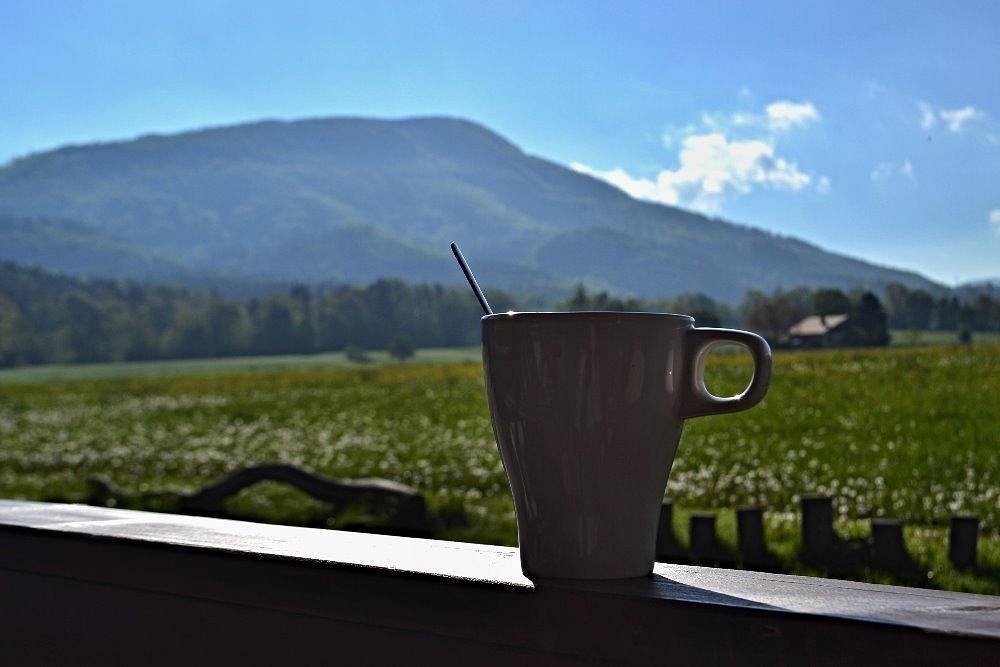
(907, 432)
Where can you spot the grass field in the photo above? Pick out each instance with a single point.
(907, 432)
(225, 366)
(919, 337)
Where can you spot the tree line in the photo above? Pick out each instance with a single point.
(772, 314)
(47, 318)
(870, 317)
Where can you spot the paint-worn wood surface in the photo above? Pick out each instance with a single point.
(84, 585)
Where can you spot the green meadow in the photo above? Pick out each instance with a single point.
(908, 432)
(224, 366)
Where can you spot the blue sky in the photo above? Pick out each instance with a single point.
(869, 128)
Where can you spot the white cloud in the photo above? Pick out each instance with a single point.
(776, 117)
(875, 89)
(640, 188)
(674, 134)
(995, 220)
(956, 119)
(883, 171)
(711, 162)
(710, 166)
(743, 119)
(927, 117)
(716, 121)
(783, 115)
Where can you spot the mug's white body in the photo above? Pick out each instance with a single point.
(587, 411)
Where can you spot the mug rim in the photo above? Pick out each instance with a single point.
(601, 314)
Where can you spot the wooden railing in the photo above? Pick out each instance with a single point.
(88, 585)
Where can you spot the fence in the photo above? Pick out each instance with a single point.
(886, 549)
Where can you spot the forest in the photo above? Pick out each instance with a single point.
(49, 318)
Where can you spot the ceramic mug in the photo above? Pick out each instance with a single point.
(587, 411)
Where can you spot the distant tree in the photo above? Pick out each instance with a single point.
(968, 318)
(275, 332)
(228, 328)
(706, 311)
(86, 339)
(14, 336)
(582, 300)
(909, 309)
(458, 314)
(947, 310)
(190, 338)
(705, 317)
(502, 301)
(869, 324)
(919, 309)
(305, 328)
(895, 297)
(143, 343)
(578, 301)
(356, 354)
(987, 313)
(400, 347)
(771, 316)
(387, 303)
(827, 301)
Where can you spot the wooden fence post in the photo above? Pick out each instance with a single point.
(666, 543)
(962, 540)
(888, 547)
(702, 534)
(817, 526)
(750, 533)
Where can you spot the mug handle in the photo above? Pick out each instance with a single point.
(697, 400)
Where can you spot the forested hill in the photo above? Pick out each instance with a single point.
(353, 199)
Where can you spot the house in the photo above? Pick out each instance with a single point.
(819, 331)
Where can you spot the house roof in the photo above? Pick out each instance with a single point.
(817, 325)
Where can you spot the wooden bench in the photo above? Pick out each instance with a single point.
(88, 585)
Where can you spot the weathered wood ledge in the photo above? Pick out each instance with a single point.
(82, 585)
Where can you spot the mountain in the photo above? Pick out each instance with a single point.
(353, 199)
(65, 246)
(75, 249)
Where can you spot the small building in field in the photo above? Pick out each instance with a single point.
(819, 331)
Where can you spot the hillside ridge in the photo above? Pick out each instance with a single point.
(351, 199)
